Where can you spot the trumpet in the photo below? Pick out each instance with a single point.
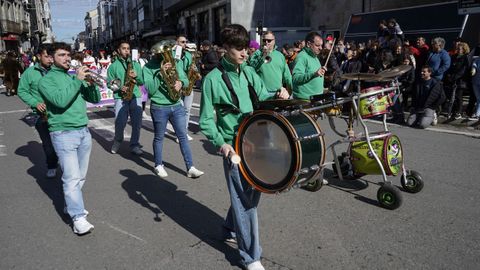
(266, 58)
(98, 79)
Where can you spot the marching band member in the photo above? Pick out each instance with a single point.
(308, 73)
(124, 108)
(164, 109)
(28, 93)
(271, 66)
(89, 60)
(231, 104)
(185, 61)
(65, 97)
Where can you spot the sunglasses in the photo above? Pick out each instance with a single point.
(268, 40)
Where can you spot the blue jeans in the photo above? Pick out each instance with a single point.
(160, 117)
(73, 149)
(242, 215)
(42, 128)
(187, 103)
(123, 109)
(476, 91)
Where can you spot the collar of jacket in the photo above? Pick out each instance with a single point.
(230, 67)
(58, 69)
(40, 68)
(309, 51)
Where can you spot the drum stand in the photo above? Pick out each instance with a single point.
(388, 195)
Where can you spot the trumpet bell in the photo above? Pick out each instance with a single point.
(161, 46)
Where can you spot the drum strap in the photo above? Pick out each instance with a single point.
(251, 90)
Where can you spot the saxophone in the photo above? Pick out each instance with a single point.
(170, 76)
(193, 74)
(129, 82)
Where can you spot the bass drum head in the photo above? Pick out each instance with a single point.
(393, 155)
(268, 152)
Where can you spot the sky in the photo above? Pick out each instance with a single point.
(68, 17)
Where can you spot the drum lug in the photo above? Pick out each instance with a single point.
(310, 137)
(307, 170)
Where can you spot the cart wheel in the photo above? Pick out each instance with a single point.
(389, 196)
(314, 185)
(413, 182)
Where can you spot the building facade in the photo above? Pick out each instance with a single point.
(14, 25)
(40, 22)
(91, 29)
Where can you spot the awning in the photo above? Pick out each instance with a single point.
(10, 37)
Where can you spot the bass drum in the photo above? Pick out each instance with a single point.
(388, 149)
(278, 151)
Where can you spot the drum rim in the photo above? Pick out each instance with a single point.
(288, 181)
(322, 144)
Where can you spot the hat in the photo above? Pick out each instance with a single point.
(254, 44)
(329, 38)
(206, 43)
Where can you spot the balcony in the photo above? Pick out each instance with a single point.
(11, 26)
(25, 26)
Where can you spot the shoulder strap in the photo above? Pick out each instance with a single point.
(229, 85)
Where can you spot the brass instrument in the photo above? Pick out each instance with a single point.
(170, 76)
(97, 78)
(129, 82)
(193, 74)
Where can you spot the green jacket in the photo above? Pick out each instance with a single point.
(216, 96)
(305, 80)
(117, 71)
(65, 97)
(156, 87)
(28, 86)
(185, 62)
(274, 74)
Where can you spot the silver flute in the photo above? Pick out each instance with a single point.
(98, 79)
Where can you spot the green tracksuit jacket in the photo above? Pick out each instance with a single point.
(65, 97)
(156, 87)
(305, 80)
(274, 74)
(221, 128)
(28, 86)
(117, 71)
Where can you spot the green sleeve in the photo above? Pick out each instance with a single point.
(258, 85)
(24, 92)
(256, 60)
(300, 74)
(111, 73)
(287, 76)
(187, 61)
(182, 76)
(207, 117)
(138, 71)
(60, 96)
(90, 93)
(149, 81)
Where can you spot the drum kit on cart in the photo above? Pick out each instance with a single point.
(282, 146)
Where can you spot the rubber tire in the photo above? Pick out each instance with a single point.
(389, 196)
(414, 176)
(314, 185)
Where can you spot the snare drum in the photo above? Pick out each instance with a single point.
(375, 103)
(388, 149)
(278, 151)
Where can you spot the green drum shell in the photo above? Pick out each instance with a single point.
(305, 153)
(373, 105)
(388, 149)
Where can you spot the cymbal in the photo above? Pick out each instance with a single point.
(395, 71)
(369, 77)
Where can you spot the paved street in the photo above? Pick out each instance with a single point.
(144, 222)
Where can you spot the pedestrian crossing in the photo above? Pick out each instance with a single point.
(3, 148)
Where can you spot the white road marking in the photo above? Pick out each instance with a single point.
(16, 111)
(3, 150)
(123, 232)
(105, 128)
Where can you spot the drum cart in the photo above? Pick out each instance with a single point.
(388, 195)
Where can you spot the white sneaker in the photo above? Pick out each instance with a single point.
(82, 226)
(51, 173)
(188, 138)
(145, 115)
(194, 172)
(255, 266)
(435, 119)
(115, 147)
(160, 171)
(324, 181)
(136, 150)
